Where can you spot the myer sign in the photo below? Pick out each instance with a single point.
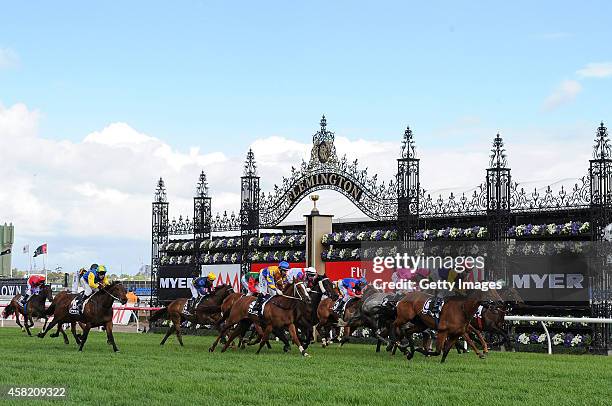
(174, 281)
(352, 190)
(553, 278)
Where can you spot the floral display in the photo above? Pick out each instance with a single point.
(476, 232)
(567, 339)
(542, 230)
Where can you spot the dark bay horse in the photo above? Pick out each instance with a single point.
(98, 311)
(208, 311)
(280, 313)
(35, 308)
(352, 317)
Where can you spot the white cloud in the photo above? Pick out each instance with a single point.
(95, 195)
(596, 70)
(8, 58)
(564, 93)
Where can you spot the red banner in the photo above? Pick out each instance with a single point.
(358, 269)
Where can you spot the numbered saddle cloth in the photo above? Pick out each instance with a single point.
(259, 313)
(75, 309)
(433, 307)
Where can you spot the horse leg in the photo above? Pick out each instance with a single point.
(86, 329)
(222, 332)
(483, 342)
(296, 340)
(63, 334)
(49, 327)
(345, 336)
(109, 335)
(27, 325)
(168, 334)
(448, 345)
(74, 332)
(18, 321)
(264, 338)
(280, 333)
(177, 329)
(468, 340)
(45, 325)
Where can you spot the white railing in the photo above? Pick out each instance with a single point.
(543, 319)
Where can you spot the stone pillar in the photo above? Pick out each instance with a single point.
(316, 226)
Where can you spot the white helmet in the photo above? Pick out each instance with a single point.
(311, 271)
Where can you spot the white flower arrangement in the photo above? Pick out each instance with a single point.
(523, 338)
(576, 340)
(362, 236)
(541, 338)
(557, 339)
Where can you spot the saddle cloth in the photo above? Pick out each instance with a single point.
(433, 307)
(263, 306)
(75, 309)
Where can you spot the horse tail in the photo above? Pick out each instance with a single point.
(159, 314)
(51, 309)
(8, 310)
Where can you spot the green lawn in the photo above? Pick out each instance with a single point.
(145, 372)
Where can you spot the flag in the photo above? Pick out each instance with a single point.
(40, 250)
(26, 249)
(5, 252)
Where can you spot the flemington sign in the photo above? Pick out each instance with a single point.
(333, 180)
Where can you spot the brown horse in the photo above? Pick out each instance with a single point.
(35, 308)
(455, 317)
(98, 311)
(208, 311)
(281, 312)
(491, 320)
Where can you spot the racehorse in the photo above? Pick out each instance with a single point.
(280, 312)
(35, 308)
(328, 319)
(98, 311)
(491, 320)
(455, 316)
(206, 312)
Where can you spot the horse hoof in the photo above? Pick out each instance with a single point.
(305, 355)
(211, 349)
(482, 356)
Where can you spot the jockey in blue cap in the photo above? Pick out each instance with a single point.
(349, 288)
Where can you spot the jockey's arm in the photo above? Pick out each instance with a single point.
(91, 280)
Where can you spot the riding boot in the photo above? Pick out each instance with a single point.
(188, 307)
(258, 303)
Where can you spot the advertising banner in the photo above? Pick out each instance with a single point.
(228, 274)
(174, 281)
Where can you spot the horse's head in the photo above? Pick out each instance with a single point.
(117, 291)
(46, 292)
(298, 289)
(324, 286)
(222, 291)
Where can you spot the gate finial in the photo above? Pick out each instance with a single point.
(601, 149)
(408, 148)
(498, 153)
(202, 187)
(250, 167)
(160, 192)
(323, 124)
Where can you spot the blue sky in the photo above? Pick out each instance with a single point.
(220, 76)
(194, 71)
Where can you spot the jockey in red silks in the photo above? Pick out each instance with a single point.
(35, 282)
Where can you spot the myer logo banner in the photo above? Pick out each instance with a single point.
(352, 190)
(562, 277)
(174, 282)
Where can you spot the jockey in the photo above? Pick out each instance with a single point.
(35, 282)
(349, 288)
(270, 281)
(250, 283)
(92, 281)
(200, 286)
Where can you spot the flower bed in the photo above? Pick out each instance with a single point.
(367, 235)
(546, 230)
